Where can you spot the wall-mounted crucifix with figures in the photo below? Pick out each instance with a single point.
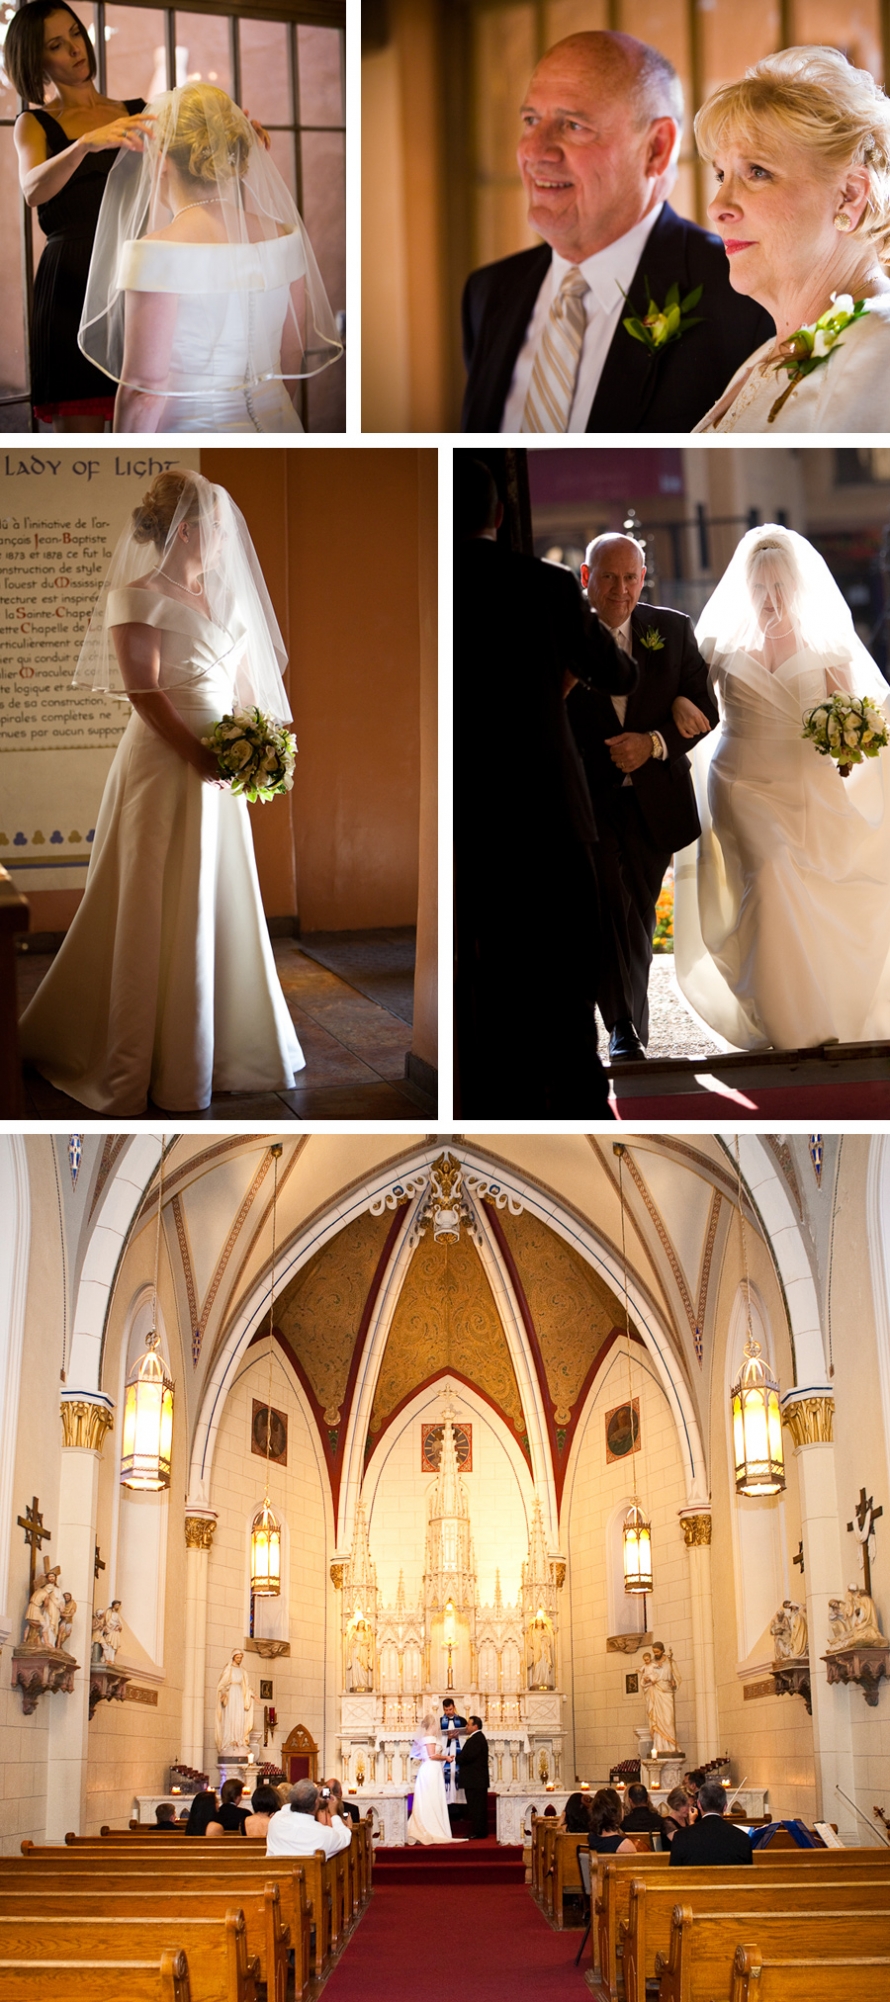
(863, 1528)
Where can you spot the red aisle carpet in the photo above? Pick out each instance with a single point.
(483, 1941)
(867, 1100)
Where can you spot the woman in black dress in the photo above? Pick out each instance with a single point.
(67, 144)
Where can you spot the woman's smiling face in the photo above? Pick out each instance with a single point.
(775, 211)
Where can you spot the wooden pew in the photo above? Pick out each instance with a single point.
(703, 1946)
(754, 1979)
(539, 1830)
(166, 1980)
(564, 1874)
(220, 1969)
(268, 1940)
(645, 1935)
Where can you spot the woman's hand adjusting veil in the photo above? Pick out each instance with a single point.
(139, 657)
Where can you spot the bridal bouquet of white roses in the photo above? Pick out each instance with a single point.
(847, 728)
(254, 752)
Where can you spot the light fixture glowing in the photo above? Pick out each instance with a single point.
(636, 1537)
(148, 1421)
(757, 1426)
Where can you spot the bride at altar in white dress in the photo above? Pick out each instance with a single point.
(428, 1821)
(782, 909)
(204, 301)
(166, 983)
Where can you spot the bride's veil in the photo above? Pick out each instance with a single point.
(202, 155)
(179, 505)
(777, 598)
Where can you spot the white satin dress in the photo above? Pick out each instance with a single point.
(233, 300)
(849, 392)
(782, 909)
(166, 984)
(428, 1821)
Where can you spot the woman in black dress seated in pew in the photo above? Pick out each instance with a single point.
(606, 1834)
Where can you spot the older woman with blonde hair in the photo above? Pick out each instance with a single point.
(801, 150)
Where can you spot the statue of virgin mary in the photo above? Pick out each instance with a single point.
(234, 1709)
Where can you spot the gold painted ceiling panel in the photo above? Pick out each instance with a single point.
(446, 1318)
(572, 1308)
(320, 1312)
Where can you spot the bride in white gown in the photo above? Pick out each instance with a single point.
(204, 299)
(428, 1821)
(165, 983)
(782, 909)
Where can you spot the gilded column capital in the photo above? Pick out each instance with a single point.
(809, 1417)
(85, 1421)
(199, 1531)
(696, 1527)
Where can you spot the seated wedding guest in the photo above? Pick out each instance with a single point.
(679, 1810)
(639, 1812)
(546, 343)
(800, 148)
(204, 1816)
(346, 1809)
(307, 1824)
(711, 1839)
(283, 1790)
(606, 1834)
(577, 1813)
(692, 1782)
(528, 955)
(231, 1813)
(165, 1815)
(264, 1803)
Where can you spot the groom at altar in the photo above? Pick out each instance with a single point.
(639, 776)
(545, 344)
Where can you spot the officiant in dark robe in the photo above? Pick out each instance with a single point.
(545, 344)
(527, 917)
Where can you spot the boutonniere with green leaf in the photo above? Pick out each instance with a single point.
(808, 347)
(663, 324)
(652, 640)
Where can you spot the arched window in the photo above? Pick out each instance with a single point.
(758, 1522)
(139, 1562)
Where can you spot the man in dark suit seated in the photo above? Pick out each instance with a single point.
(527, 920)
(711, 1839)
(639, 1814)
(544, 341)
(638, 773)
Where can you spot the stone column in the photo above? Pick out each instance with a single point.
(696, 1527)
(85, 1421)
(809, 1417)
(199, 1527)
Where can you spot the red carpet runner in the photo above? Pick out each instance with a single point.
(443, 1924)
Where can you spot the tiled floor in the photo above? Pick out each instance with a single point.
(355, 1049)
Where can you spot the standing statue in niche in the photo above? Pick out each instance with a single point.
(540, 1653)
(66, 1620)
(234, 1709)
(359, 1656)
(658, 1681)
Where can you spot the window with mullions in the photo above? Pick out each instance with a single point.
(284, 63)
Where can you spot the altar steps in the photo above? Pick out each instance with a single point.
(477, 1863)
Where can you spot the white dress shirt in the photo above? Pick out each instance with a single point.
(292, 1834)
(606, 271)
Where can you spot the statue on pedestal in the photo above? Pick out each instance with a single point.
(853, 1621)
(234, 1709)
(44, 1610)
(540, 1653)
(108, 1632)
(789, 1631)
(359, 1656)
(658, 1681)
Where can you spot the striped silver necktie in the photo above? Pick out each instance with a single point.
(551, 391)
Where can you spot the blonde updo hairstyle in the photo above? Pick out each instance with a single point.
(204, 134)
(153, 518)
(814, 100)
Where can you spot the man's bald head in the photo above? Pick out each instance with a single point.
(601, 133)
(613, 575)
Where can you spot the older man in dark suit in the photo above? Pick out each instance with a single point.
(544, 341)
(635, 758)
(711, 1839)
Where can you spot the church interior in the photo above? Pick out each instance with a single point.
(453, 1396)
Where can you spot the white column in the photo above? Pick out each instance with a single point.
(809, 1417)
(696, 1527)
(199, 1528)
(85, 1421)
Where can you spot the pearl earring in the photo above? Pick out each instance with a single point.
(842, 220)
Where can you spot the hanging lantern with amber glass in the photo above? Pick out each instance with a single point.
(265, 1553)
(636, 1537)
(148, 1421)
(757, 1427)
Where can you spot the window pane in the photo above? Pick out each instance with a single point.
(854, 28)
(324, 197)
(12, 343)
(134, 52)
(321, 85)
(202, 50)
(282, 154)
(504, 57)
(265, 71)
(734, 37)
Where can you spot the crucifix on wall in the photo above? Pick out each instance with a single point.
(863, 1527)
(35, 1534)
(799, 1558)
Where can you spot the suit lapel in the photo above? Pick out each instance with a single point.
(508, 325)
(630, 373)
(643, 657)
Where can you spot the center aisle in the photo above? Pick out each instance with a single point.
(437, 1931)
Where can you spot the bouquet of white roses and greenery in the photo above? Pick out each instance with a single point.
(847, 728)
(254, 752)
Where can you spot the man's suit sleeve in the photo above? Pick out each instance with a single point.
(693, 683)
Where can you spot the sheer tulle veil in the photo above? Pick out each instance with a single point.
(777, 587)
(204, 184)
(232, 588)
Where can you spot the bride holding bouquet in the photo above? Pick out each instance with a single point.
(781, 925)
(165, 985)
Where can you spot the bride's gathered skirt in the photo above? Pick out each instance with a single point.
(165, 984)
(428, 1821)
(782, 909)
